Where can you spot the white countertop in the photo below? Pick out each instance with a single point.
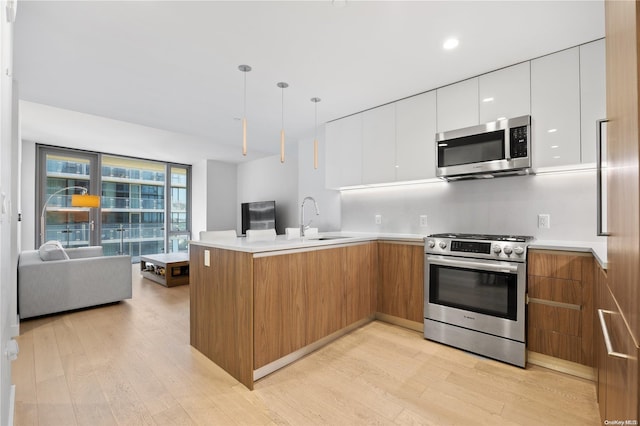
(280, 243)
(283, 243)
(599, 249)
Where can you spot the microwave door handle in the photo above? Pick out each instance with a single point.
(599, 178)
(473, 265)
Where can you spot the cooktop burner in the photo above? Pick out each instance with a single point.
(485, 237)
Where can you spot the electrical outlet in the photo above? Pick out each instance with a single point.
(378, 219)
(423, 220)
(544, 221)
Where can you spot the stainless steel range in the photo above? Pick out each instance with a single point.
(475, 291)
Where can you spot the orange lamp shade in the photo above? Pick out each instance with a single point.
(85, 200)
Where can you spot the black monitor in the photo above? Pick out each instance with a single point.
(258, 215)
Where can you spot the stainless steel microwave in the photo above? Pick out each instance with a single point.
(499, 148)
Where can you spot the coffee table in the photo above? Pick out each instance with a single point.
(168, 269)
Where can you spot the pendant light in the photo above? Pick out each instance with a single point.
(315, 137)
(245, 69)
(282, 85)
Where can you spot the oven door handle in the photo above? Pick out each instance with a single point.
(473, 265)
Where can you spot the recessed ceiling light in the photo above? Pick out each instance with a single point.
(487, 100)
(501, 118)
(552, 130)
(554, 146)
(556, 157)
(450, 43)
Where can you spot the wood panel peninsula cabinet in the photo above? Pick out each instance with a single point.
(254, 311)
(401, 284)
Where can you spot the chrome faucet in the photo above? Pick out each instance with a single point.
(302, 225)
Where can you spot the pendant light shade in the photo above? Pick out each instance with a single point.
(282, 85)
(315, 136)
(245, 69)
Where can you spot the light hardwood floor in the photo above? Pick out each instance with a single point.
(131, 363)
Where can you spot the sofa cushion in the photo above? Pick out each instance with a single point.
(52, 250)
(84, 252)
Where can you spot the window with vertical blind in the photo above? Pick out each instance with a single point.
(144, 209)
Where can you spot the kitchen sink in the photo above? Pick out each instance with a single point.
(336, 237)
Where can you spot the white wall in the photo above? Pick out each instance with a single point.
(72, 129)
(9, 167)
(507, 205)
(198, 198)
(311, 183)
(268, 179)
(222, 202)
(214, 201)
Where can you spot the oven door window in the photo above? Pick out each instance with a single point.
(490, 293)
(472, 149)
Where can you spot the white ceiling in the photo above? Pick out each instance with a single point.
(173, 65)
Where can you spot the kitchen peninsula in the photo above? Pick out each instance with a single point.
(258, 306)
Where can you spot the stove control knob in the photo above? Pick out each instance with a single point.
(507, 250)
(497, 249)
(443, 244)
(431, 243)
(518, 250)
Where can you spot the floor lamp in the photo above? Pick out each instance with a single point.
(77, 200)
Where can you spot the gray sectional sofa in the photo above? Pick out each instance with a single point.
(70, 279)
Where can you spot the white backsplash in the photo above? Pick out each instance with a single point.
(507, 205)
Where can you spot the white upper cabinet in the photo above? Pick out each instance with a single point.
(379, 144)
(505, 93)
(458, 105)
(555, 109)
(343, 151)
(415, 137)
(593, 103)
(563, 92)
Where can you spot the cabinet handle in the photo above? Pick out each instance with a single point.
(494, 267)
(607, 339)
(554, 303)
(599, 124)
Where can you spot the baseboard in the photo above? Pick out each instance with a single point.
(12, 404)
(294, 356)
(561, 365)
(402, 322)
(14, 329)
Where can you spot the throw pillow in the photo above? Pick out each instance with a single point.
(52, 250)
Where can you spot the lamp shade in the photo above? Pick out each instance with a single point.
(85, 200)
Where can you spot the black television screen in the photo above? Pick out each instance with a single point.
(258, 215)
